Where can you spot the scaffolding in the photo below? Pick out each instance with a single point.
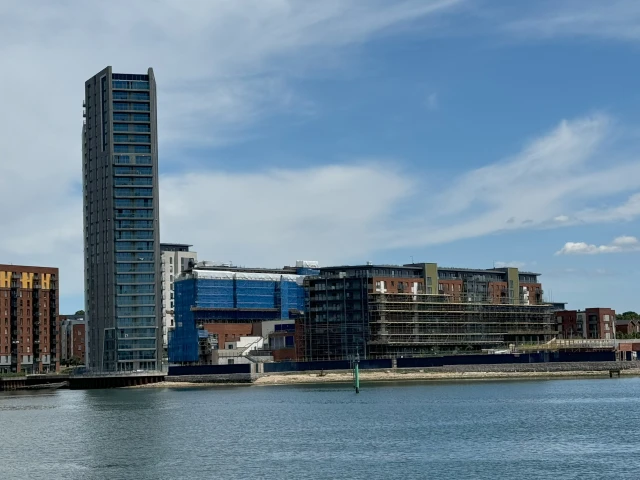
(421, 324)
(345, 318)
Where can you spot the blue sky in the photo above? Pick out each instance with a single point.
(467, 133)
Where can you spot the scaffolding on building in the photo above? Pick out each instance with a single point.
(422, 324)
(342, 321)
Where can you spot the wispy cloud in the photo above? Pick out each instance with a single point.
(611, 19)
(512, 264)
(618, 245)
(222, 67)
(310, 212)
(432, 101)
(554, 176)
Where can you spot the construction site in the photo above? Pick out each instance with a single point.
(217, 307)
(415, 325)
(388, 311)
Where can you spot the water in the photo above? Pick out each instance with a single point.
(569, 429)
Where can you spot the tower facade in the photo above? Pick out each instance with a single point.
(123, 302)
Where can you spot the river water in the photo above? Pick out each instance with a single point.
(554, 429)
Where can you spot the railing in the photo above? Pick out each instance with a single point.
(569, 343)
(82, 372)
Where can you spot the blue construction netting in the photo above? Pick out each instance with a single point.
(227, 300)
(256, 294)
(214, 293)
(183, 341)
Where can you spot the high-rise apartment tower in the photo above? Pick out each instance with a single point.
(121, 222)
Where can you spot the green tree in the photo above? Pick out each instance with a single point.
(80, 312)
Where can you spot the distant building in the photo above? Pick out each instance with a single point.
(628, 327)
(29, 324)
(176, 258)
(216, 305)
(378, 311)
(72, 339)
(591, 323)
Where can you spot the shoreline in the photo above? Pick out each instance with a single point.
(393, 376)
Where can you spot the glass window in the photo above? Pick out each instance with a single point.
(132, 171)
(126, 181)
(135, 267)
(136, 300)
(133, 311)
(138, 202)
(140, 235)
(142, 149)
(133, 192)
(123, 246)
(124, 213)
(136, 278)
(143, 160)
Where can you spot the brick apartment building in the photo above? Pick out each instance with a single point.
(386, 311)
(591, 323)
(72, 339)
(29, 324)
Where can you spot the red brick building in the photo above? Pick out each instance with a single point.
(72, 339)
(29, 324)
(628, 327)
(591, 323)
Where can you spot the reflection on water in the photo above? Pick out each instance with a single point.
(530, 429)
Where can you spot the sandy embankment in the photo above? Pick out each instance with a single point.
(392, 376)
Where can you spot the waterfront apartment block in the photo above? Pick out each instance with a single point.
(121, 222)
(72, 339)
(29, 328)
(218, 304)
(591, 323)
(176, 258)
(379, 311)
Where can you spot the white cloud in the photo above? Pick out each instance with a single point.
(611, 19)
(510, 264)
(222, 67)
(618, 245)
(330, 213)
(347, 213)
(558, 172)
(432, 101)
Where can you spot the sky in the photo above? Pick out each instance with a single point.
(470, 133)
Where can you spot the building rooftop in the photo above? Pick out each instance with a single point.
(175, 247)
(352, 267)
(225, 267)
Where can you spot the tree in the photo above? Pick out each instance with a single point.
(80, 312)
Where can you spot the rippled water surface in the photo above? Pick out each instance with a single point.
(556, 429)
